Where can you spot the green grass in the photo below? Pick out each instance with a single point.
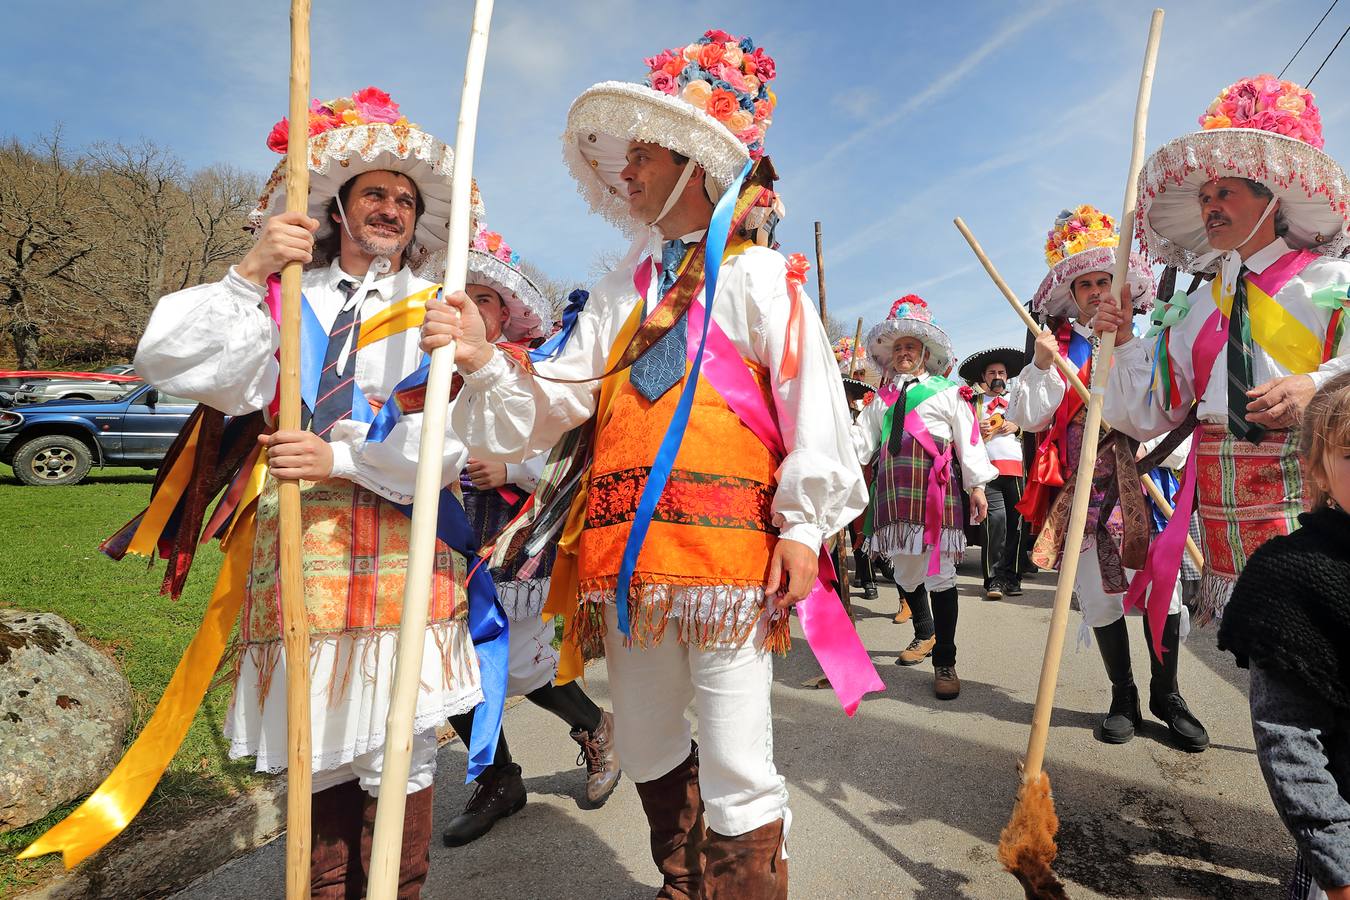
(51, 563)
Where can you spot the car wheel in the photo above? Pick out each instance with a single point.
(52, 459)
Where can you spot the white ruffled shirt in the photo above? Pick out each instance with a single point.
(504, 413)
(1038, 392)
(216, 344)
(1126, 406)
(946, 416)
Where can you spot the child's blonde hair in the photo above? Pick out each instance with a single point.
(1325, 430)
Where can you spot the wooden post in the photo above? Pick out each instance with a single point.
(294, 615)
(388, 838)
(820, 278)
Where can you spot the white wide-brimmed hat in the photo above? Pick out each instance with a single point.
(493, 263)
(709, 101)
(363, 133)
(1083, 240)
(910, 317)
(1261, 129)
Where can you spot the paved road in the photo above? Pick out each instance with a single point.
(906, 799)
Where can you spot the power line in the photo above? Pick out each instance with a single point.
(1324, 62)
(1308, 38)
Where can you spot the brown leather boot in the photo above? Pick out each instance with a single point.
(746, 867)
(674, 809)
(905, 614)
(415, 859)
(335, 839)
(602, 764)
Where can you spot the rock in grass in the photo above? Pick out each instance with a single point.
(64, 713)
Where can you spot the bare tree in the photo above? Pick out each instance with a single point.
(604, 262)
(142, 189)
(48, 226)
(219, 199)
(555, 291)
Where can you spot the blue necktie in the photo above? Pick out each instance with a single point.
(662, 366)
(334, 401)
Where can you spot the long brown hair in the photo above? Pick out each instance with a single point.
(1325, 431)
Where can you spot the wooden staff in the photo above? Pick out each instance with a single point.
(388, 838)
(294, 616)
(1070, 374)
(1027, 846)
(853, 368)
(820, 276)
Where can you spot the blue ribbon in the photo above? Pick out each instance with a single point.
(313, 346)
(1167, 483)
(576, 302)
(716, 245)
(488, 625)
(1080, 349)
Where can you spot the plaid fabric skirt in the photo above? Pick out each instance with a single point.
(1246, 495)
(899, 504)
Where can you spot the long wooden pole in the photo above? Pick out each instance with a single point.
(1068, 371)
(820, 276)
(853, 368)
(294, 616)
(1073, 538)
(384, 862)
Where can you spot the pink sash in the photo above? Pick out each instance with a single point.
(1158, 578)
(829, 633)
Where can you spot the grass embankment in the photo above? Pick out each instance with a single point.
(51, 563)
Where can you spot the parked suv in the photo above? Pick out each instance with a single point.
(40, 391)
(57, 442)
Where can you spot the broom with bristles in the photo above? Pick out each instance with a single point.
(1027, 845)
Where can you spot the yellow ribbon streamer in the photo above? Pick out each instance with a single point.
(1289, 342)
(123, 793)
(395, 318)
(147, 534)
(564, 592)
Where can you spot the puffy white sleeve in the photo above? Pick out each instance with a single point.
(1035, 397)
(976, 469)
(505, 413)
(389, 467)
(865, 432)
(820, 484)
(214, 343)
(526, 475)
(1126, 404)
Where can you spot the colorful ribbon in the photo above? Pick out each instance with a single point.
(1151, 587)
(829, 632)
(551, 348)
(714, 243)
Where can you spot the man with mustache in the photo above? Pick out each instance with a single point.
(1001, 550)
(1249, 349)
(918, 421)
(373, 214)
(1081, 251)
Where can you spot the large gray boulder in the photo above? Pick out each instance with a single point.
(64, 713)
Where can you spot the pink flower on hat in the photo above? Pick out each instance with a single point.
(374, 105)
(1268, 104)
(665, 83)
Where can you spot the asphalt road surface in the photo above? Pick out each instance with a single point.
(907, 798)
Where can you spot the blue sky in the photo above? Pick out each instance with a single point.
(893, 117)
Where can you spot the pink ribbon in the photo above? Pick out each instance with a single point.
(939, 475)
(1158, 578)
(829, 632)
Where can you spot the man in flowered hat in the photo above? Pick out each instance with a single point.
(379, 199)
(1253, 199)
(515, 310)
(1081, 251)
(763, 474)
(919, 421)
(990, 373)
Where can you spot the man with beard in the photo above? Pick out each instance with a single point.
(372, 213)
(1001, 548)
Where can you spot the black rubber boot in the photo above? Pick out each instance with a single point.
(862, 567)
(1164, 696)
(1124, 716)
